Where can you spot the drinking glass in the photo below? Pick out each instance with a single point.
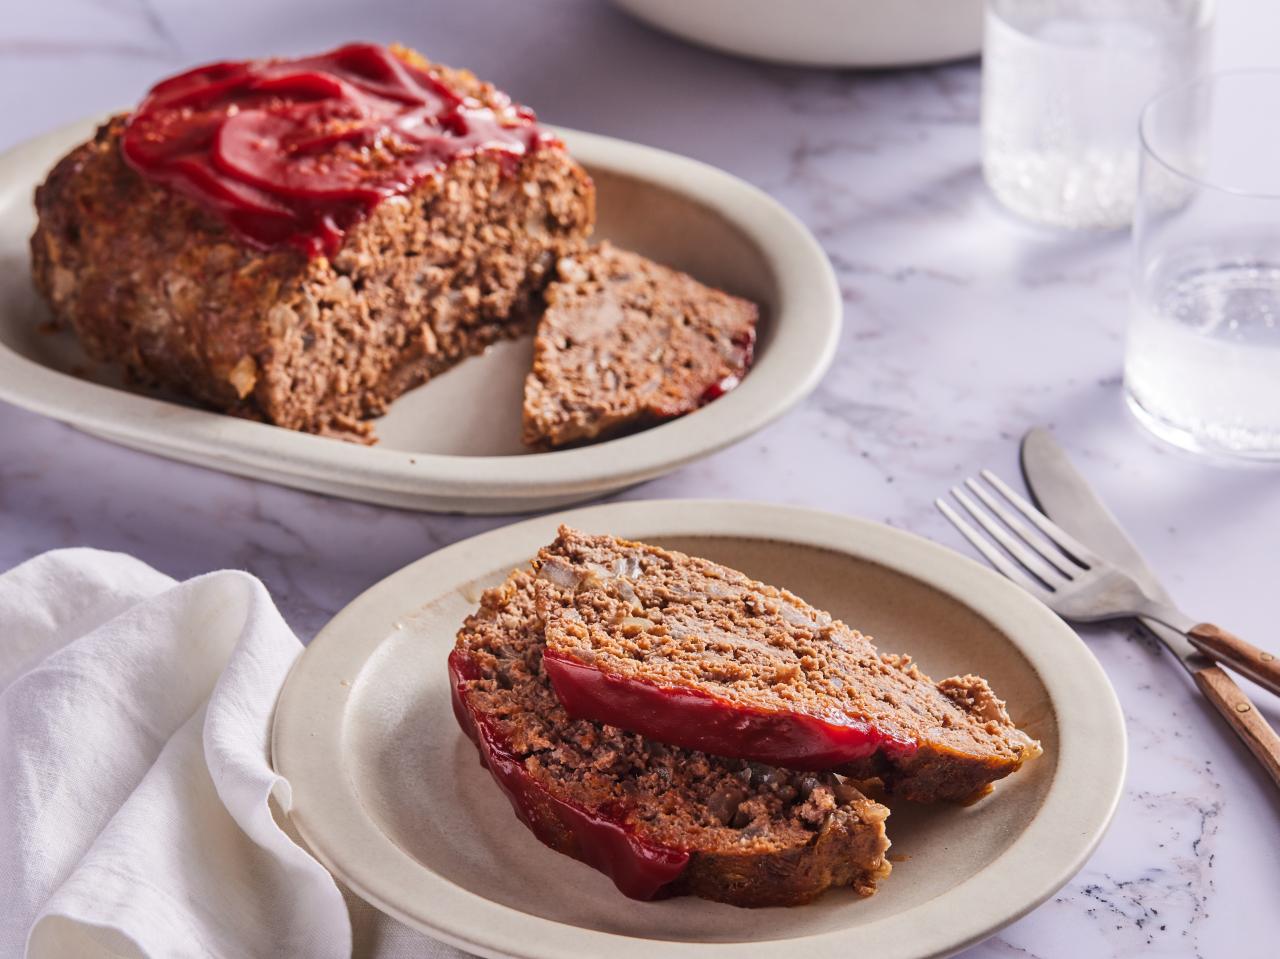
(1202, 361)
(1063, 84)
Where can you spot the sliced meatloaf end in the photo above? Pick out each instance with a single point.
(689, 652)
(659, 821)
(626, 343)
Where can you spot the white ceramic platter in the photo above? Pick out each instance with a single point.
(389, 793)
(824, 33)
(454, 443)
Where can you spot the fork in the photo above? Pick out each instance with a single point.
(1077, 584)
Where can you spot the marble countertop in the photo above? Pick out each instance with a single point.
(963, 328)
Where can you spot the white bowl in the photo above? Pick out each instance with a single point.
(824, 33)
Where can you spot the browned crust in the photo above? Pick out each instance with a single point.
(150, 280)
(757, 836)
(626, 343)
(848, 852)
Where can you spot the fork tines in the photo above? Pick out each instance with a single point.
(1046, 560)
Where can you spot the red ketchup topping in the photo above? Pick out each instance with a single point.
(599, 837)
(746, 342)
(298, 151)
(698, 720)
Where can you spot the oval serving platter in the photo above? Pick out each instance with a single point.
(390, 796)
(453, 444)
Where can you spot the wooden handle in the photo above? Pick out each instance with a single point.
(1243, 717)
(1245, 658)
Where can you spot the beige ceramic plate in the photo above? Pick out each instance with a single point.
(390, 796)
(454, 444)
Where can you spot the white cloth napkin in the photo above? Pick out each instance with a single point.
(136, 797)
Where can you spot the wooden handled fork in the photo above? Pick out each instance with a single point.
(1079, 585)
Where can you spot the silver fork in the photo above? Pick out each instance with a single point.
(1076, 583)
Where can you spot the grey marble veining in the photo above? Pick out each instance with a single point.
(963, 327)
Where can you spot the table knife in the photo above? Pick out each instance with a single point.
(1062, 493)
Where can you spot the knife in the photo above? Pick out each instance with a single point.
(1061, 492)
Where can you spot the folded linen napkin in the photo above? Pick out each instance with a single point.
(138, 798)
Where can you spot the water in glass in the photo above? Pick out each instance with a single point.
(1202, 363)
(1203, 359)
(1063, 84)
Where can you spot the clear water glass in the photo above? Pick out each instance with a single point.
(1202, 361)
(1063, 84)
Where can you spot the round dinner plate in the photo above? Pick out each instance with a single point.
(389, 793)
(453, 444)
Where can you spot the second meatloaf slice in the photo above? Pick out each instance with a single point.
(658, 821)
(626, 343)
(693, 653)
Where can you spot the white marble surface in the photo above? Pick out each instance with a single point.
(963, 329)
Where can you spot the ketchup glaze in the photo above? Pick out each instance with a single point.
(297, 151)
(599, 837)
(698, 720)
(746, 342)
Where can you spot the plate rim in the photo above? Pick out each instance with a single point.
(311, 709)
(806, 332)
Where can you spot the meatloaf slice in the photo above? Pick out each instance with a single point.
(158, 281)
(626, 343)
(659, 821)
(689, 652)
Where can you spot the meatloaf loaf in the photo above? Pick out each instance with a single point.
(626, 343)
(300, 241)
(660, 821)
(695, 654)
